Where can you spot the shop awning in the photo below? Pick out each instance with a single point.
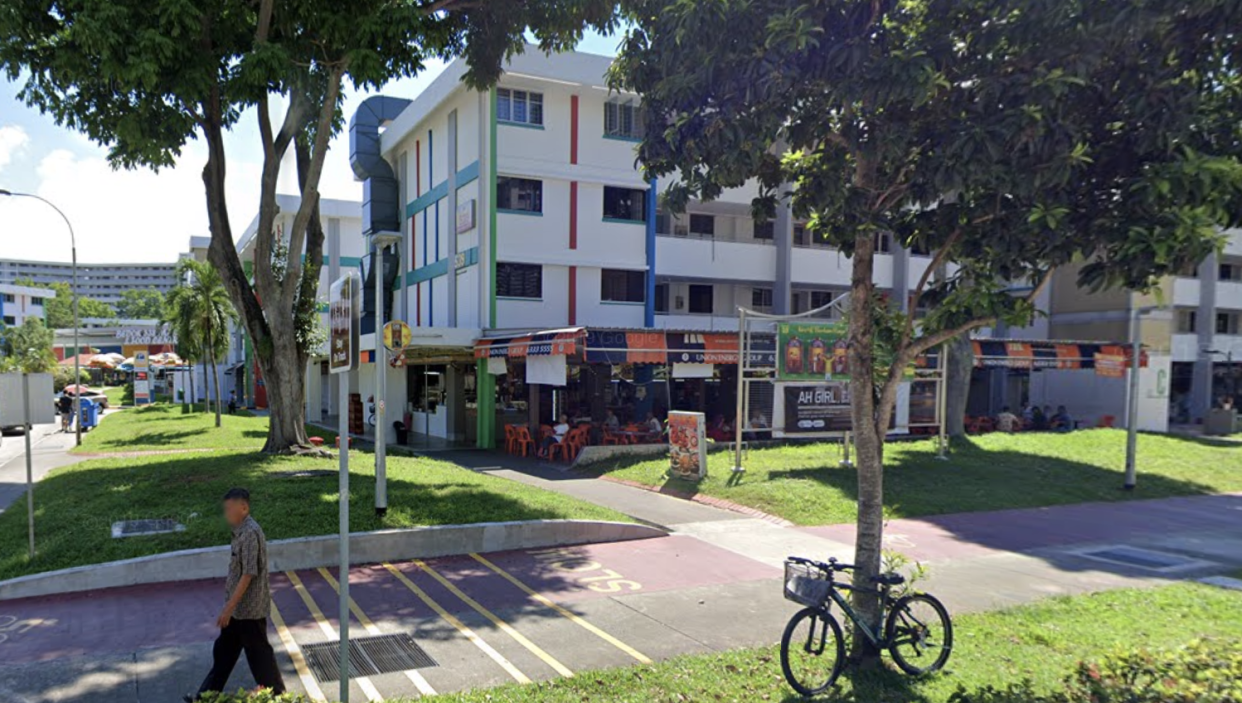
(560, 342)
(1040, 354)
(660, 347)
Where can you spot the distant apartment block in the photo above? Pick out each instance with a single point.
(17, 303)
(103, 282)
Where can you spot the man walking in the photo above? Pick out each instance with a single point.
(248, 600)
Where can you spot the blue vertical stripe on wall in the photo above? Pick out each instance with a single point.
(431, 285)
(649, 305)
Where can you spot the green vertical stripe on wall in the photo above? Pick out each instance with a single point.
(485, 388)
(491, 215)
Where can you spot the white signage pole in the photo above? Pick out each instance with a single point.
(381, 386)
(342, 358)
(29, 463)
(343, 435)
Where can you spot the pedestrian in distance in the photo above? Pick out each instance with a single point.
(64, 405)
(232, 402)
(248, 601)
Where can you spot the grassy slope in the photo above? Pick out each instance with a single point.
(1040, 642)
(804, 484)
(76, 506)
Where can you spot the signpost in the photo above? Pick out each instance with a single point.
(142, 378)
(36, 391)
(344, 319)
(811, 351)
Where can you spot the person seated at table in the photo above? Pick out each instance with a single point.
(1039, 418)
(719, 430)
(758, 421)
(1062, 422)
(653, 425)
(559, 430)
(1027, 414)
(611, 423)
(1007, 421)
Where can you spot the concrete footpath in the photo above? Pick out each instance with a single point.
(49, 451)
(713, 584)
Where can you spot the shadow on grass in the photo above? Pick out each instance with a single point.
(147, 438)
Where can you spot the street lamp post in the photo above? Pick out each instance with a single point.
(77, 350)
(380, 241)
(1132, 396)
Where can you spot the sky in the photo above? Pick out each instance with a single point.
(141, 215)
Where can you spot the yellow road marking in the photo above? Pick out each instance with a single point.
(461, 627)
(573, 617)
(369, 625)
(295, 653)
(504, 626)
(364, 683)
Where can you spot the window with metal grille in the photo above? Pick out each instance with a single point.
(519, 280)
(701, 299)
(661, 297)
(521, 106)
(765, 230)
(625, 204)
(622, 119)
(703, 225)
(617, 286)
(761, 299)
(519, 194)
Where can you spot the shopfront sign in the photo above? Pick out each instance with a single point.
(147, 336)
(687, 445)
(811, 351)
(466, 216)
(396, 336)
(344, 318)
(810, 409)
(142, 378)
(1110, 365)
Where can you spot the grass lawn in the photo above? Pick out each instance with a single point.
(114, 394)
(804, 484)
(76, 506)
(1040, 642)
(164, 426)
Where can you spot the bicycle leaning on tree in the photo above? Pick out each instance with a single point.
(917, 631)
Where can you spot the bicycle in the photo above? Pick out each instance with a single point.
(908, 632)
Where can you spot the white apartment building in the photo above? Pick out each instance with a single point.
(17, 303)
(103, 282)
(525, 224)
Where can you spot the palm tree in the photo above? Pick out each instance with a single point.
(200, 311)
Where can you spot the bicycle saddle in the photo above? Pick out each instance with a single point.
(889, 579)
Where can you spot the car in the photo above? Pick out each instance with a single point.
(95, 396)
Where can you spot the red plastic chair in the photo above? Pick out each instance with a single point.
(510, 439)
(523, 444)
(1107, 421)
(565, 448)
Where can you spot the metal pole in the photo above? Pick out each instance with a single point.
(1132, 393)
(381, 388)
(741, 373)
(29, 463)
(343, 576)
(942, 400)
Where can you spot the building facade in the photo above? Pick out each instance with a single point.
(17, 303)
(103, 282)
(520, 211)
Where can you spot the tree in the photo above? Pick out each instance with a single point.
(141, 304)
(1009, 137)
(58, 311)
(200, 312)
(27, 347)
(146, 76)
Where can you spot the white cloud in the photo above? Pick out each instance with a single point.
(12, 140)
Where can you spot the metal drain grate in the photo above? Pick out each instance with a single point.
(306, 473)
(368, 656)
(134, 528)
(1148, 559)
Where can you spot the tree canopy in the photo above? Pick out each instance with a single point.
(145, 77)
(1009, 137)
(27, 347)
(141, 304)
(58, 311)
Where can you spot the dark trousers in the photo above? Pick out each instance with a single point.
(250, 636)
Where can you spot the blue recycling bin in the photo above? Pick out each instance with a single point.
(89, 416)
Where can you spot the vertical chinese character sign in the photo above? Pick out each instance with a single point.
(344, 317)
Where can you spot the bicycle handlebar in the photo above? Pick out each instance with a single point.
(831, 565)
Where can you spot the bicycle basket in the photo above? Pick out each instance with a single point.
(806, 585)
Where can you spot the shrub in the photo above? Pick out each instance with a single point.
(1204, 671)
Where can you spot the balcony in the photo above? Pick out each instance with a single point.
(1186, 292)
(714, 259)
(704, 323)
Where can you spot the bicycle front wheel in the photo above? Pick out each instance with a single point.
(919, 634)
(812, 651)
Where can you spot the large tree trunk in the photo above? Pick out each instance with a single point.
(283, 375)
(957, 384)
(869, 442)
(193, 390)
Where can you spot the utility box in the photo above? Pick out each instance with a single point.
(1220, 422)
(89, 417)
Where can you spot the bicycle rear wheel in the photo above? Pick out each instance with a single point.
(919, 634)
(812, 651)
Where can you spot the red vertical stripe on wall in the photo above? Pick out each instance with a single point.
(573, 295)
(573, 214)
(573, 129)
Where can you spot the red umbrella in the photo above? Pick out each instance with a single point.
(73, 390)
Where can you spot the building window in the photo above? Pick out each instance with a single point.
(703, 225)
(1226, 323)
(617, 286)
(761, 299)
(661, 297)
(1231, 272)
(520, 106)
(36, 300)
(10, 320)
(623, 119)
(664, 223)
(883, 242)
(9, 298)
(519, 280)
(1185, 321)
(519, 194)
(701, 299)
(625, 204)
(765, 230)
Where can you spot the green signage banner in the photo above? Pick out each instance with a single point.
(809, 351)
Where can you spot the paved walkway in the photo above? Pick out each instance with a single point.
(713, 584)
